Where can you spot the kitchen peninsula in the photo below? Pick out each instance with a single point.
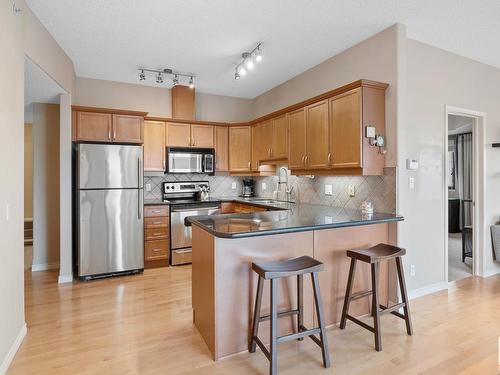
(224, 247)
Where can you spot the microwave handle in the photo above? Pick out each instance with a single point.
(203, 163)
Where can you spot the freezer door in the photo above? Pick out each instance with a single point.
(109, 166)
(110, 232)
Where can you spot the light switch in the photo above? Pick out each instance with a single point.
(370, 132)
(328, 189)
(264, 186)
(148, 187)
(233, 185)
(411, 183)
(328, 219)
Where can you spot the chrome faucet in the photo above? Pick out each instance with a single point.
(288, 191)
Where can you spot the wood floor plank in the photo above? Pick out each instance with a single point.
(143, 325)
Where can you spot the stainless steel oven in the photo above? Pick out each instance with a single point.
(184, 202)
(190, 160)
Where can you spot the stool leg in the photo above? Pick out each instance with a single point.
(404, 295)
(321, 320)
(375, 308)
(300, 303)
(348, 292)
(256, 316)
(273, 366)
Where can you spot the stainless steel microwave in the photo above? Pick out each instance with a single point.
(190, 160)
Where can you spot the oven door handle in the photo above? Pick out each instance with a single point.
(195, 209)
(182, 251)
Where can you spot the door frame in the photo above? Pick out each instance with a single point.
(478, 186)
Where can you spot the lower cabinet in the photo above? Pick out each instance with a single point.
(237, 207)
(156, 236)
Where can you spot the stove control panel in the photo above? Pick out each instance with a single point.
(183, 187)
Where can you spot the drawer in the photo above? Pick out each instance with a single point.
(154, 211)
(183, 256)
(160, 233)
(156, 222)
(155, 250)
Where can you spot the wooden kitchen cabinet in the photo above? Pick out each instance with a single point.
(202, 136)
(346, 129)
(107, 125)
(154, 146)
(156, 236)
(221, 149)
(240, 148)
(93, 127)
(297, 139)
(317, 136)
(128, 129)
(279, 143)
(261, 143)
(178, 134)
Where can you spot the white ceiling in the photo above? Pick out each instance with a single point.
(38, 88)
(111, 39)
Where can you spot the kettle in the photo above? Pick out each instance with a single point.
(203, 194)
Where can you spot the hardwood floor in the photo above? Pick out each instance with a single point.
(142, 325)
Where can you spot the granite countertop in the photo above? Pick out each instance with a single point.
(286, 218)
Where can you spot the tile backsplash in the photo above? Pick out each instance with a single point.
(380, 190)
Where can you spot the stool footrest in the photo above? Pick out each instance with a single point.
(359, 295)
(359, 322)
(298, 335)
(392, 310)
(280, 315)
(314, 338)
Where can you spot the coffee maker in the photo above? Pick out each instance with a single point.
(248, 185)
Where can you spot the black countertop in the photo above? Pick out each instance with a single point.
(285, 218)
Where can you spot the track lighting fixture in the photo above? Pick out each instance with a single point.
(159, 77)
(159, 73)
(248, 61)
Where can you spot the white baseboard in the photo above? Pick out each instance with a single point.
(4, 366)
(44, 267)
(65, 279)
(420, 292)
(491, 273)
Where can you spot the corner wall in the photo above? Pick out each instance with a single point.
(12, 324)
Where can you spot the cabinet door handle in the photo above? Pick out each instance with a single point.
(114, 134)
(307, 157)
(329, 158)
(189, 141)
(109, 134)
(303, 160)
(157, 250)
(156, 222)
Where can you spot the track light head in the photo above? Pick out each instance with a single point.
(159, 78)
(236, 75)
(258, 54)
(242, 71)
(175, 81)
(142, 76)
(191, 82)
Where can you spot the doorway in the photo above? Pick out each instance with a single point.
(462, 163)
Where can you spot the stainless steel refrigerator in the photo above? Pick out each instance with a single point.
(109, 185)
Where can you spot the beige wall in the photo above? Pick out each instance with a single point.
(373, 59)
(46, 185)
(12, 324)
(157, 101)
(28, 171)
(436, 78)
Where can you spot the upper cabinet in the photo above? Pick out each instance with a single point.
(279, 144)
(183, 102)
(178, 134)
(297, 139)
(317, 141)
(154, 146)
(190, 135)
(240, 148)
(107, 125)
(221, 149)
(270, 141)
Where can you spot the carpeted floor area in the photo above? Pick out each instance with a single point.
(456, 268)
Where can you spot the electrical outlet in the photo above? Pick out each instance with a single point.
(412, 270)
(148, 187)
(264, 186)
(351, 190)
(328, 189)
(7, 212)
(328, 219)
(233, 185)
(411, 183)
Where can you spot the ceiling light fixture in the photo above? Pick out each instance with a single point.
(159, 75)
(248, 60)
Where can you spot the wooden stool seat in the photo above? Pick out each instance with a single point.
(376, 253)
(286, 268)
(273, 271)
(373, 256)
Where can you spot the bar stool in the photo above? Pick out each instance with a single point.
(273, 271)
(373, 256)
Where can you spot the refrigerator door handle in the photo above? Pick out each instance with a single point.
(139, 204)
